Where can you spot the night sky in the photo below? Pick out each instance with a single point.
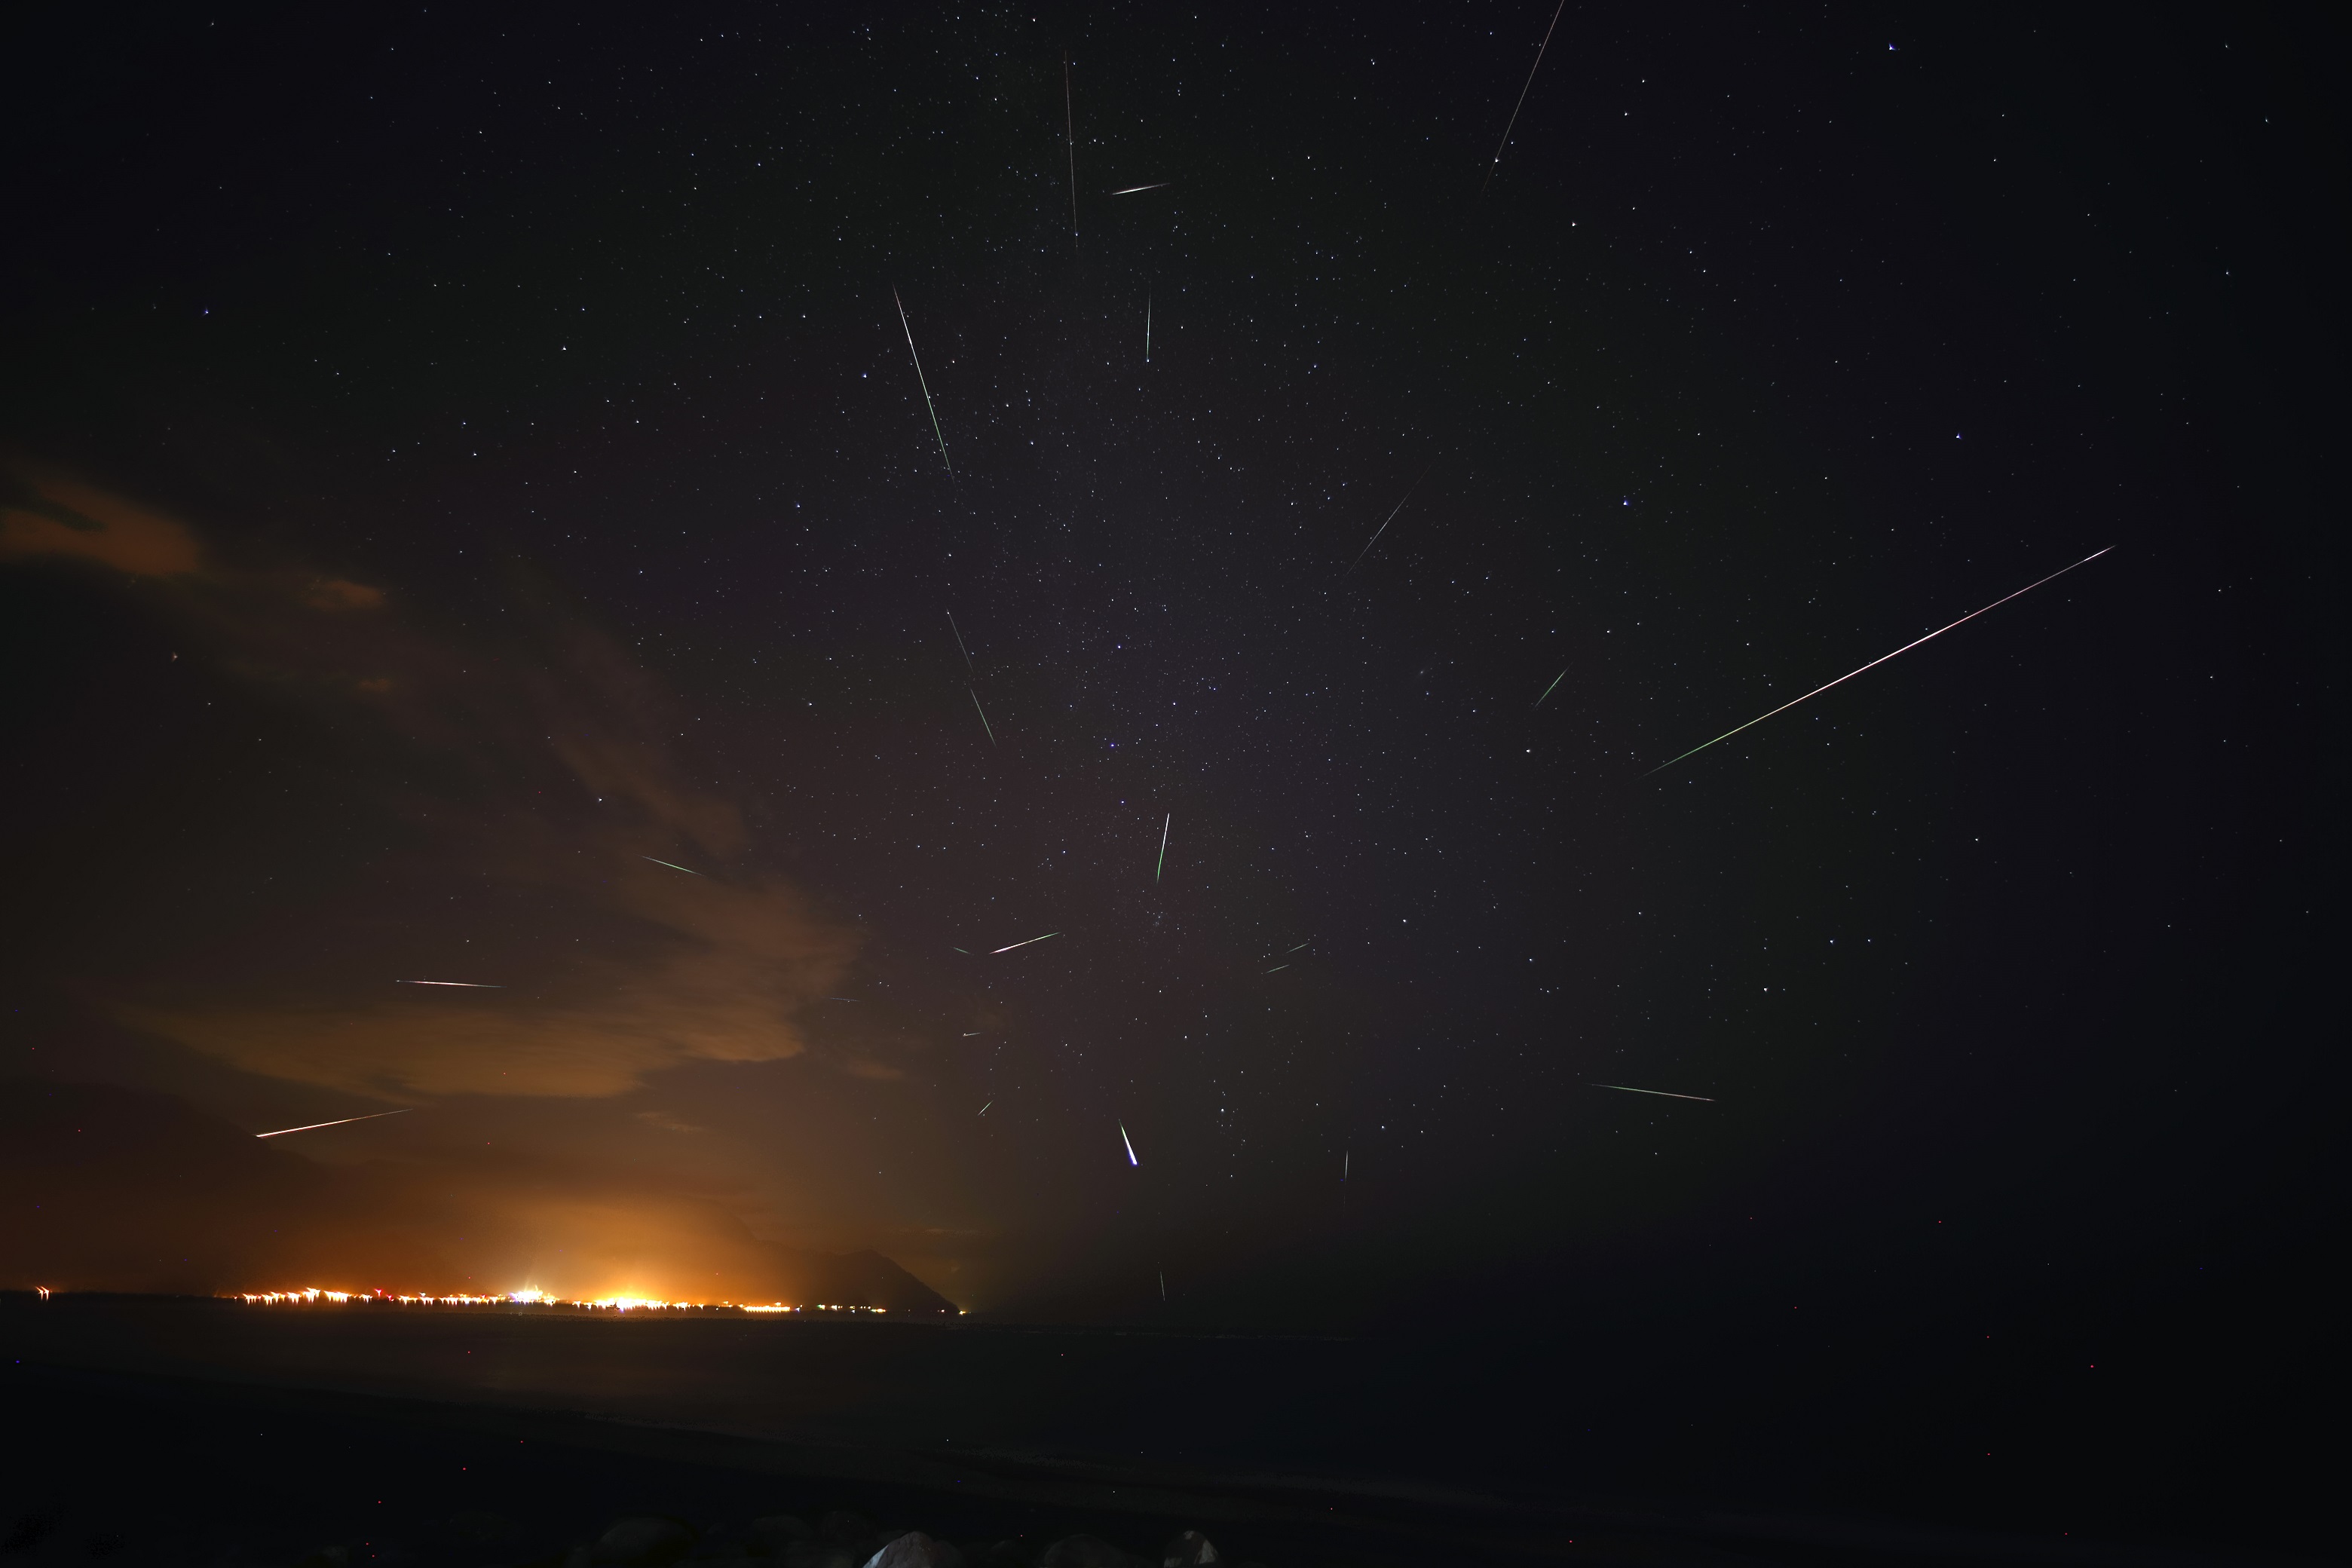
(456, 461)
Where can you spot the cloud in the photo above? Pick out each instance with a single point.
(341, 594)
(534, 770)
(716, 972)
(47, 514)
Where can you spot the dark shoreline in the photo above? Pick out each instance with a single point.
(127, 1412)
(561, 1476)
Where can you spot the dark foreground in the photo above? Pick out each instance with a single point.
(503, 1439)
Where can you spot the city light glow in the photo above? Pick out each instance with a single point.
(531, 1296)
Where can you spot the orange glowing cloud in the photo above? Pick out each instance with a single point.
(341, 594)
(45, 514)
(130, 1190)
(717, 972)
(632, 969)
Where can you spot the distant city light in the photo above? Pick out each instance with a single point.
(531, 1296)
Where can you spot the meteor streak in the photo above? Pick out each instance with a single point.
(1130, 1144)
(983, 716)
(1523, 99)
(1070, 135)
(1277, 969)
(1383, 528)
(1875, 663)
(920, 382)
(1010, 946)
(1147, 326)
(984, 1110)
(673, 865)
(314, 1126)
(469, 985)
(1661, 1093)
(1163, 845)
(1133, 189)
(1548, 690)
(959, 648)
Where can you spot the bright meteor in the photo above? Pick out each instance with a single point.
(314, 1126)
(469, 985)
(1523, 99)
(1661, 1093)
(673, 865)
(1130, 1144)
(1010, 946)
(920, 382)
(1875, 663)
(1163, 845)
(1131, 189)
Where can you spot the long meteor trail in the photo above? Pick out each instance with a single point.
(1070, 136)
(919, 380)
(469, 985)
(314, 1126)
(983, 716)
(1163, 846)
(1548, 690)
(1130, 1144)
(1523, 99)
(1875, 663)
(1131, 189)
(672, 865)
(1008, 947)
(1661, 1093)
(1383, 528)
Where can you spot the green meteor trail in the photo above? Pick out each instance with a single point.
(1661, 1093)
(920, 382)
(1875, 663)
(1548, 690)
(672, 867)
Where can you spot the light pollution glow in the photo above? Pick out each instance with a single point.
(312, 1294)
